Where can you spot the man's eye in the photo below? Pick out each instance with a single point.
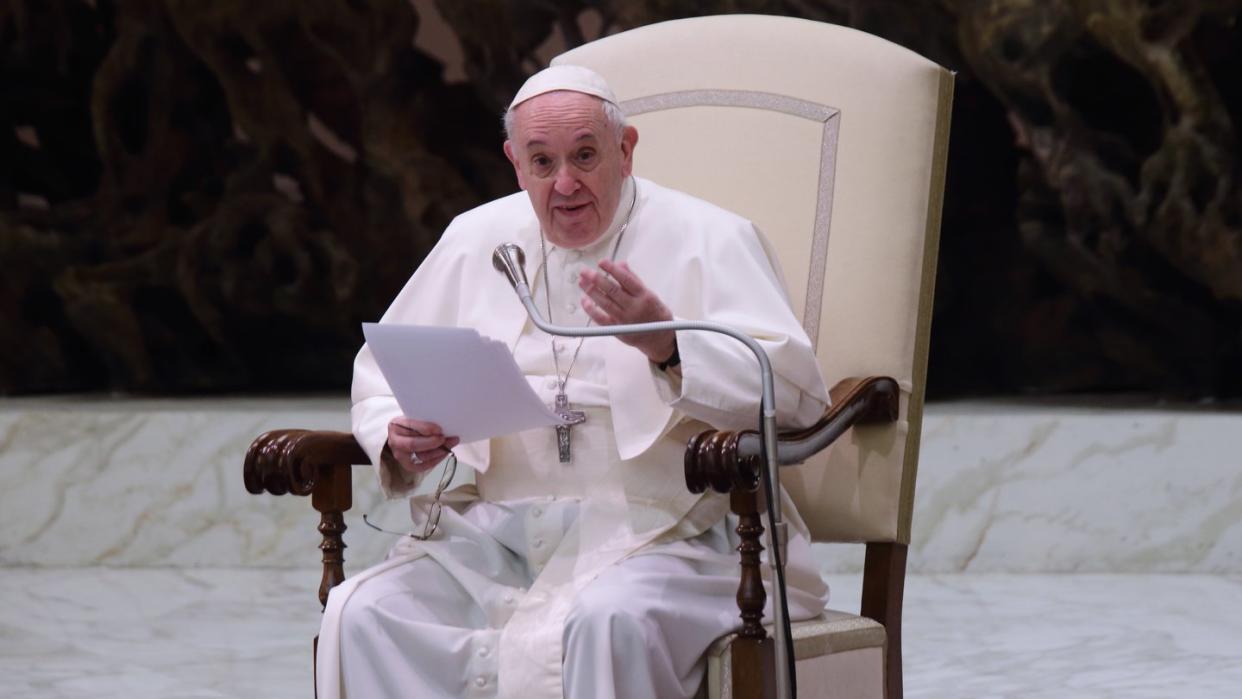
(541, 164)
(586, 156)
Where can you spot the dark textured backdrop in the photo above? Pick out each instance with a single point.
(211, 196)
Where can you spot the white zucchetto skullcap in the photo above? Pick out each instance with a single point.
(564, 77)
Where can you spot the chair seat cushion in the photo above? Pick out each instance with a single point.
(837, 655)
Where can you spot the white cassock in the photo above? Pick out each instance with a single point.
(602, 577)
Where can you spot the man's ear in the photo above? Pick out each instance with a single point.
(629, 139)
(517, 169)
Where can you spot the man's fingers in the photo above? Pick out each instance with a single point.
(641, 341)
(592, 281)
(608, 285)
(431, 457)
(423, 461)
(624, 276)
(405, 443)
(427, 443)
(597, 314)
(410, 426)
(607, 302)
(415, 455)
(407, 434)
(606, 296)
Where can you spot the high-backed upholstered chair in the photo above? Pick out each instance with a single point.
(833, 142)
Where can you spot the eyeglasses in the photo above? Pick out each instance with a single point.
(433, 513)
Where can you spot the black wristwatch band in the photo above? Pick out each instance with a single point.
(673, 360)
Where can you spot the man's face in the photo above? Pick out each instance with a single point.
(571, 163)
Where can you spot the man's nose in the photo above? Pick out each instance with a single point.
(566, 181)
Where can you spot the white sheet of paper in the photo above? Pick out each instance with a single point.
(455, 377)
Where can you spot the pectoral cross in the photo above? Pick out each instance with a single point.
(571, 418)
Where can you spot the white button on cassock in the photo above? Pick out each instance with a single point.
(484, 651)
(537, 543)
(536, 512)
(480, 681)
(571, 307)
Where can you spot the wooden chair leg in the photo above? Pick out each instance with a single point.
(332, 497)
(884, 580)
(754, 657)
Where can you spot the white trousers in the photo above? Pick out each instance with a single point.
(637, 630)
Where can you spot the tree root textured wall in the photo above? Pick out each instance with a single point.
(212, 196)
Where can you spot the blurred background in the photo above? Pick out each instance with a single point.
(210, 197)
(202, 200)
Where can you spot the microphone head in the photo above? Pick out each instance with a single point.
(509, 260)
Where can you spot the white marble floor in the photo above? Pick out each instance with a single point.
(100, 632)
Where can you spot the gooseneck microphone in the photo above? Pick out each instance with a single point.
(510, 260)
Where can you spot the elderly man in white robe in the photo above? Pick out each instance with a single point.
(587, 569)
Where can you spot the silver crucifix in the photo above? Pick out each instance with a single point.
(571, 418)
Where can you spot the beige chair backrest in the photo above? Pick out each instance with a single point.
(833, 142)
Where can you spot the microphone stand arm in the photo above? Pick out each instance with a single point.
(776, 539)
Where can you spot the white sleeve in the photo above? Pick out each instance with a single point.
(719, 381)
(720, 384)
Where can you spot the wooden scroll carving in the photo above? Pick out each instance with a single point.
(317, 464)
(712, 461)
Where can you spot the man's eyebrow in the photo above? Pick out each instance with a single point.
(589, 135)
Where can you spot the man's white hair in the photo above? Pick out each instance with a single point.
(613, 118)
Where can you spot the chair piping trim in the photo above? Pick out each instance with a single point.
(927, 290)
(828, 116)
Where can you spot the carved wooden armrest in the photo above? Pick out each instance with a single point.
(314, 463)
(291, 461)
(725, 460)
